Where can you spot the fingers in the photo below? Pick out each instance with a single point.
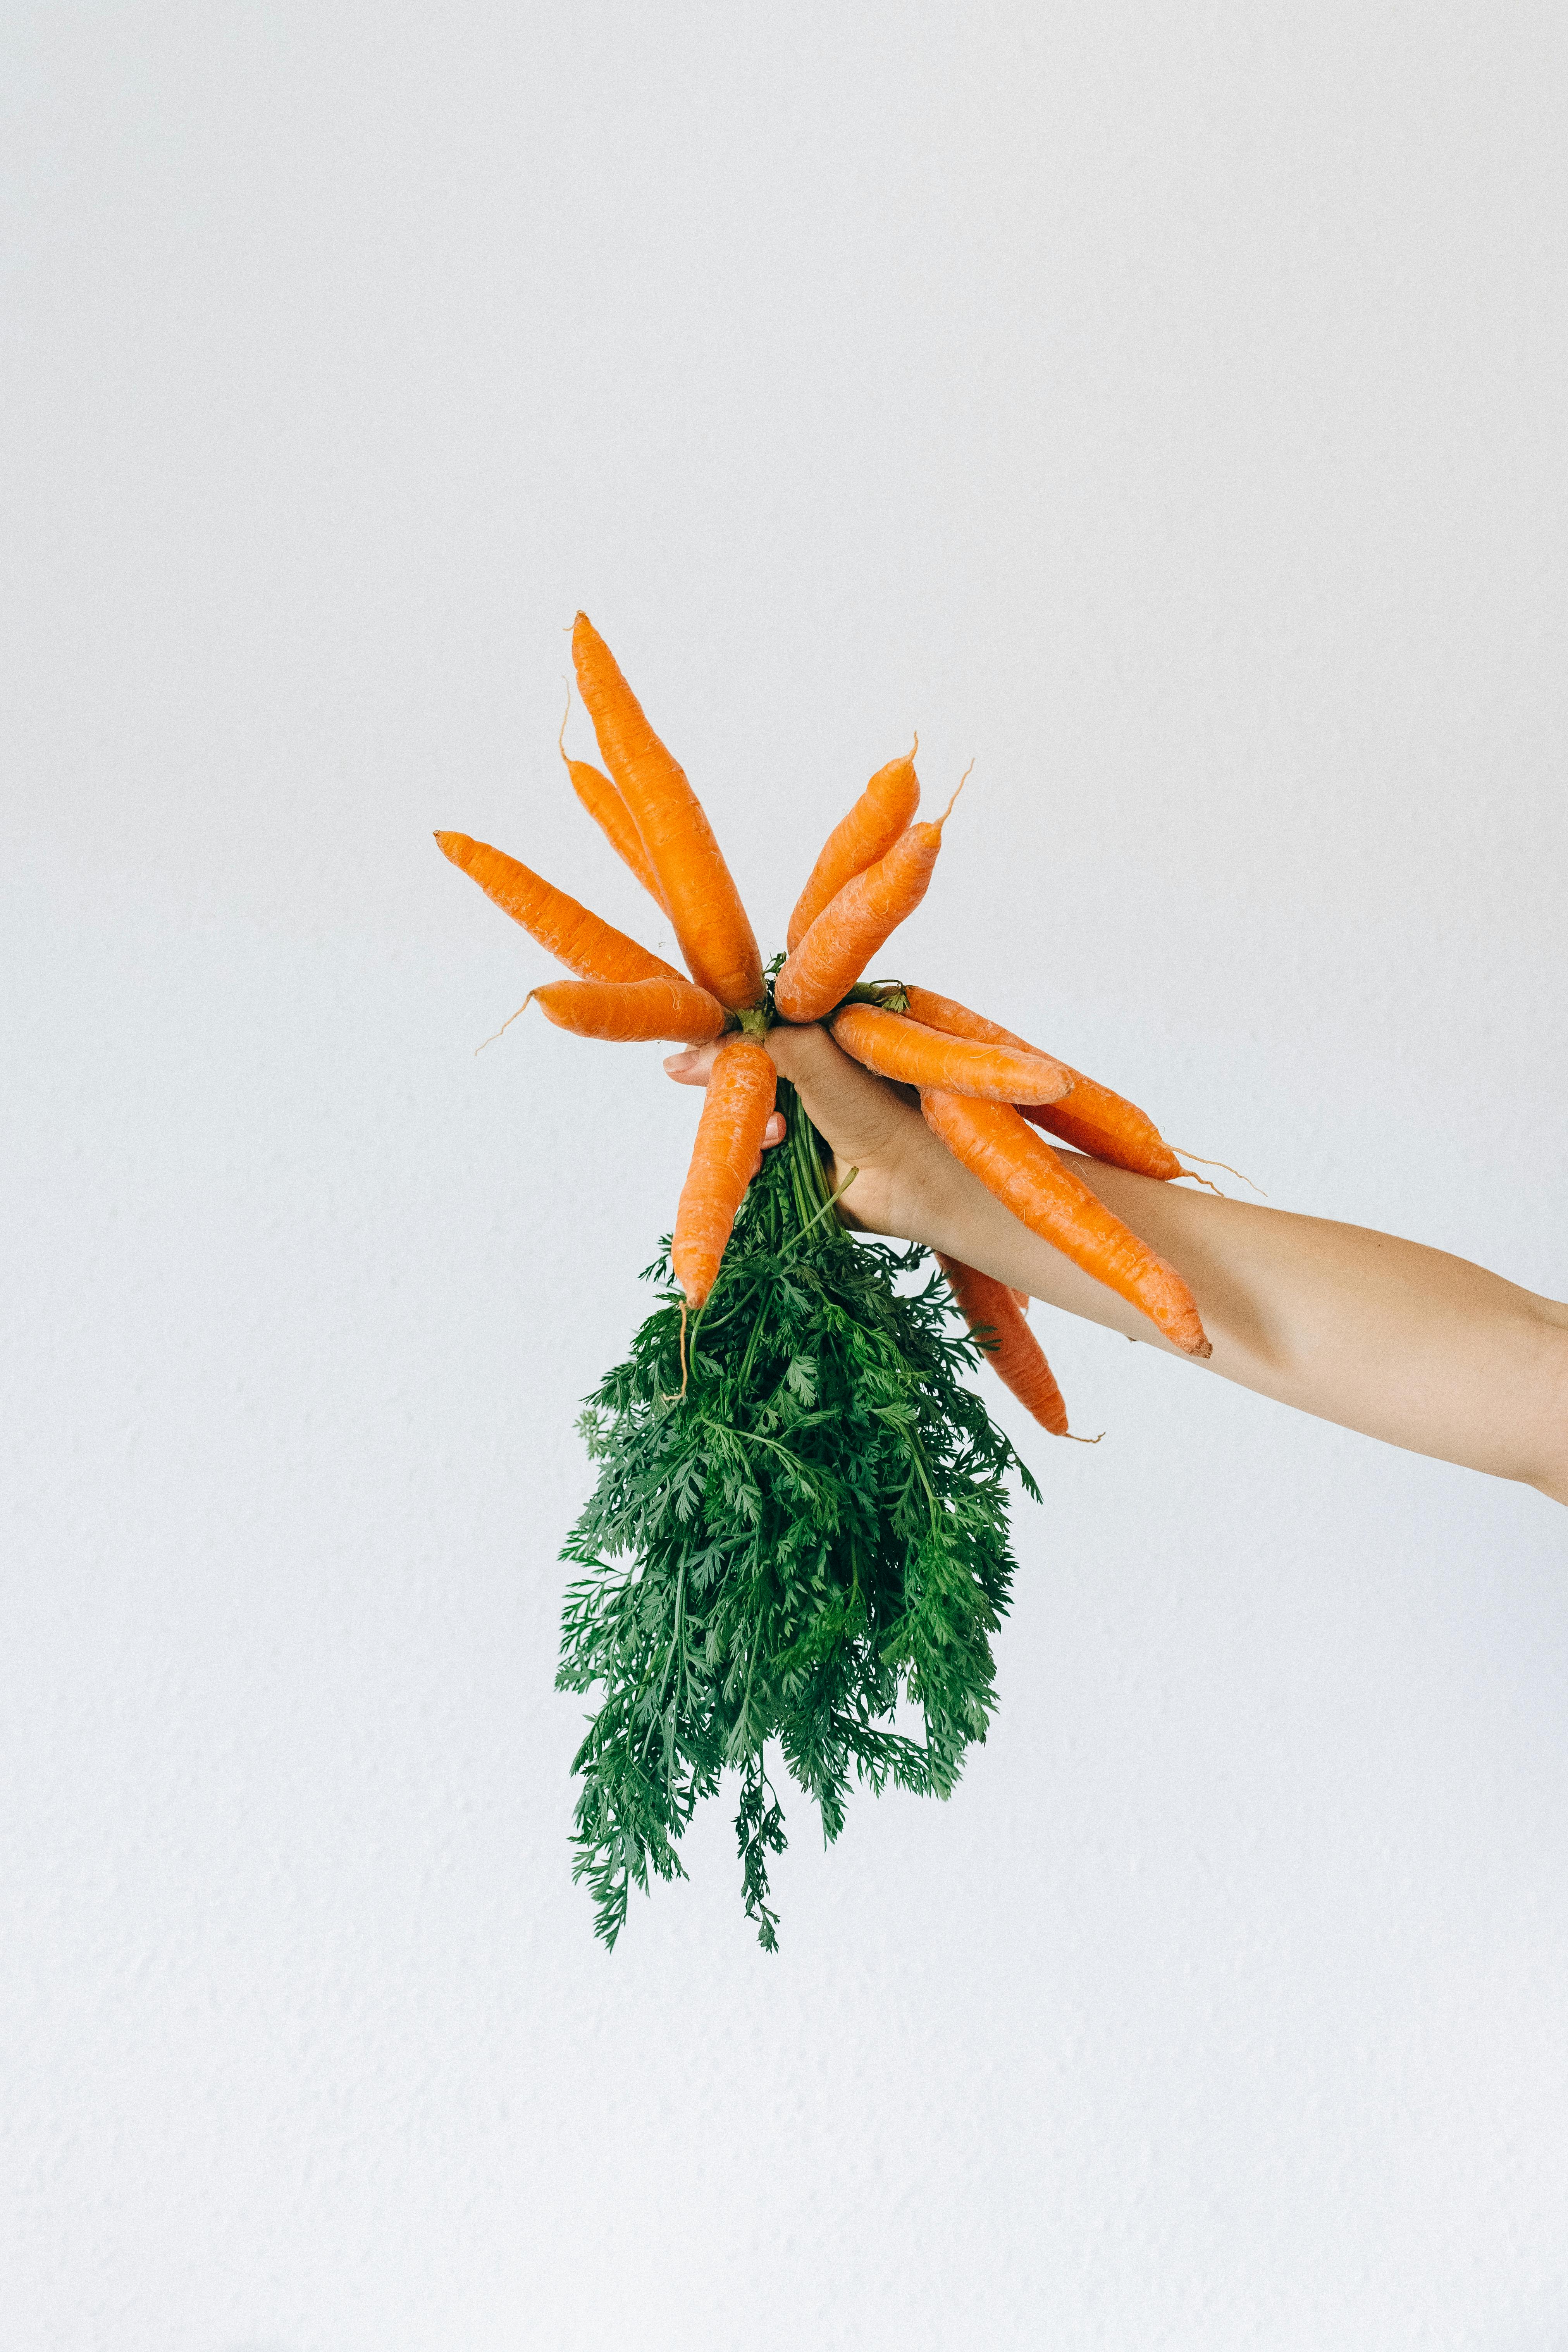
(773, 1133)
(693, 1067)
(863, 1117)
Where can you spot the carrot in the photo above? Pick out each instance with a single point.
(729, 1139)
(993, 1141)
(1109, 1127)
(1015, 1355)
(716, 937)
(897, 1047)
(886, 807)
(856, 923)
(614, 819)
(629, 1011)
(573, 936)
(1105, 1125)
(946, 1013)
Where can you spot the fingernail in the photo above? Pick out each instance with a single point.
(681, 1061)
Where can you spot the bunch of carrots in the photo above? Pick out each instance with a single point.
(986, 1093)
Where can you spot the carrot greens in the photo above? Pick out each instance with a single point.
(817, 1530)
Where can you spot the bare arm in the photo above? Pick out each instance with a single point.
(1402, 1342)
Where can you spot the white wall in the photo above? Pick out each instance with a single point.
(1161, 405)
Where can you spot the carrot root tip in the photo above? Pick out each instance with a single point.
(948, 809)
(506, 1024)
(1229, 1171)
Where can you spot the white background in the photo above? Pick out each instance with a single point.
(1161, 405)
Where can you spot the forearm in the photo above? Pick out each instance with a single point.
(1402, 1342)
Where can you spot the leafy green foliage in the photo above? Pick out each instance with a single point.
(817, 1526)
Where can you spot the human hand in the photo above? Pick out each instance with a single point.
(1380, 1335)
(902, 1171)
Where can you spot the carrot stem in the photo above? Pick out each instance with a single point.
(818, 1214)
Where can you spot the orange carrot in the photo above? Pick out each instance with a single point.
(957, 1020)
(614, 819)
(627, 1011)
(897, 1047)
(695, 884)
(1105, 1125)
(1015, 1353)
(886, 807)
(993, 1141)
(856, 921)
(729, 1139)
(573, 936)
(1109, 1127)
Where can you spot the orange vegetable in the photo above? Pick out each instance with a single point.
(627, 1011)
(1019, 1167)
(856, 921)
(1109, 1127)
(614, 820)
(886, 807)
(695, 884)
(1105, 1125)
(897, 1047)
(574, 936)
(1015, 1353)
(729, 1139)
(946, 1013)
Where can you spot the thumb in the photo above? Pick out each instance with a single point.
(862, 1116)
